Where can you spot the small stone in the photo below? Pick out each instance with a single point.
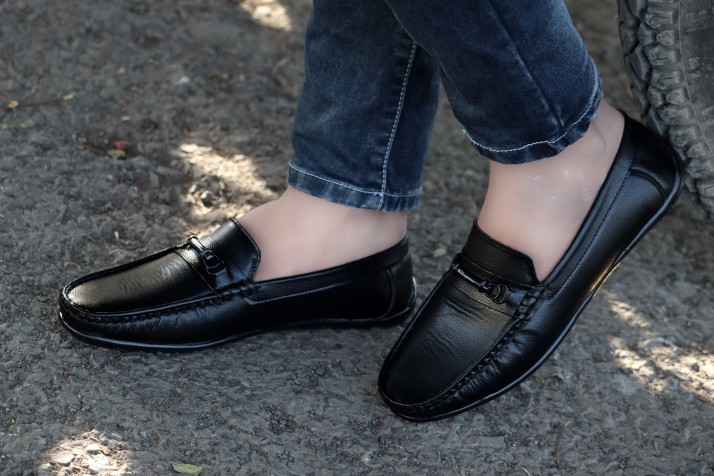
(98, 464)
(182, 81)
(63, 458)
(93, 448)
(440, 251)
(45, 469)
(207, 198)
(625, 385)
(98, 357)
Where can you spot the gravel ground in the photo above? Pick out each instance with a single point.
(198, 96)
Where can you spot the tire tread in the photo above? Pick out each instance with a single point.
(649, 31)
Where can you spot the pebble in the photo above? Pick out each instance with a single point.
(98, 357)
(45, 469)
(98, 464)
(438, 252)
(207, 198)
(63, 458)
(93, 448)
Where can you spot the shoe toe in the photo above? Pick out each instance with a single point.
(129, 302)
(152, 284)
(435, 358)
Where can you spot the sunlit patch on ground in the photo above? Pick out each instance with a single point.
(89, 453)
(268, 13)
(657, 362)
(224, 186)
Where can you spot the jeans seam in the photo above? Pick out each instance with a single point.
(380, 194)
(548, 103)
(593, 95)
(522, 60)
(397, 117)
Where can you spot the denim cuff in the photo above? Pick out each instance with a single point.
(546, 148)
(349, 195)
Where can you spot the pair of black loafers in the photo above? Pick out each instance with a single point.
(487, 325)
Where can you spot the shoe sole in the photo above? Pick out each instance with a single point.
(671, 199)
(338, 323)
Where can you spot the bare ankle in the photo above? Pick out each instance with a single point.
(299, 233)
(538, 207)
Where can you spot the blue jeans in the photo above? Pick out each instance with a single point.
(516, 73)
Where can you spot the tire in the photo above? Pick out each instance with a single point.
(668, 47)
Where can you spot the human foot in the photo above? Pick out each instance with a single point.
(299, 233)
(537, 208)
(491, 322)
(204, 293)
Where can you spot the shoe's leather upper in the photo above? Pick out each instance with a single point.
(490, 322)
(172, 277)
(204, 292)
(476, 310)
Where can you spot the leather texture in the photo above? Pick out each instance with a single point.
(203, 293)
(490, 323)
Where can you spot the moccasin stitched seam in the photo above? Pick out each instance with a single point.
(235, 289)
(451, 392)
(114, 319)
(521, 317)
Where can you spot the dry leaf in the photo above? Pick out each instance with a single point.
(116, 154)
(190, 469)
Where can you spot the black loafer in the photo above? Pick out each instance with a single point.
(203, 293)
(490, 323)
